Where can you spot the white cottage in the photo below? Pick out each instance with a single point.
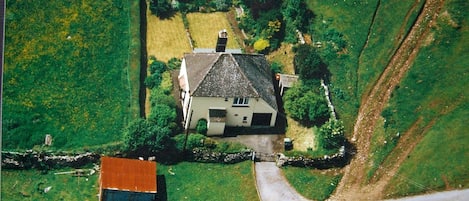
(228, 90)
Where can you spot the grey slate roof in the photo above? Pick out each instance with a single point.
(230, 75)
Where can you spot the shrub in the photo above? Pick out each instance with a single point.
(261, 44)
(304, 105)
(332, 134)
(309, 64)
(193, 141)
(201, 126)
(144, 138)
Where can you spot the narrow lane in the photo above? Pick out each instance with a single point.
(272, 185)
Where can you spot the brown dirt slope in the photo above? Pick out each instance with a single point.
(352, 186)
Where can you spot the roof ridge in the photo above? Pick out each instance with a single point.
(205, 75)
(244, 75)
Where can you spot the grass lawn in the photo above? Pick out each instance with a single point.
(166, 38)
(67, 73)
(202, 181)
(283, 55)
(204, 28)
(312, 184)
(30, 184)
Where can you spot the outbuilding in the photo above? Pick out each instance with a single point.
(127, 179)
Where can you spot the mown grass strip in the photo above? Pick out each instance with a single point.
(313, 184)
(202, 181)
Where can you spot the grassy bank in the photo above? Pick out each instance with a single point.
(312, 184)
(66, 73)
(201, 181)
(432, 100)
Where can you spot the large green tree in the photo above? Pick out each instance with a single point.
(308, 64)
(305, 105)
(144, 138)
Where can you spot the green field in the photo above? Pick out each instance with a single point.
(202, 181)
(67, 72)
(30, 185)
(312, 184)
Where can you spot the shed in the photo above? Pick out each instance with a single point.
(286, 81)
(127, 179)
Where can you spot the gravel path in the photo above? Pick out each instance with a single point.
(272, 185)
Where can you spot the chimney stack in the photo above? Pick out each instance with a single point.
(222, 41)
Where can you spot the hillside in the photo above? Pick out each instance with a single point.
(400, 89)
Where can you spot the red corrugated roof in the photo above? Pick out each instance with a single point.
(128, 175)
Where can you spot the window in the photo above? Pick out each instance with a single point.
(241, 102)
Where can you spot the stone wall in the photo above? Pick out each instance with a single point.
(339, 159)
(208, 156)
(40, 160)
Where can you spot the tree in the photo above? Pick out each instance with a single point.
(308, 64)
(296, 16)
(161, 8)
(143, 138)
(163, 116)
(304, 105)
(332, 134)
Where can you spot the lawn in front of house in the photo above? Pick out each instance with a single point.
(205, 181)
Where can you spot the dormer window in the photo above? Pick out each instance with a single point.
(240, 102)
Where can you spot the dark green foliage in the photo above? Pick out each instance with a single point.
(156, 69)
(297, 16)
(309, 64)
(161, 8)
(144, 138)
(306, 106)
(201, 126)
(193, 141)
(152, 81)
(174, 63)
(204, 5)
(276, 67)
(163, 116)
(332, 134)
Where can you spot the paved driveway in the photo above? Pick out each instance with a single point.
(264, 143)
(272, 185)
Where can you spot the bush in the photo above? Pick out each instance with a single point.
(309, 64)
(332, 134)
(261, 44)
(201, 126)
(163, 116)
(143, 138)
(193, 141)
(306, 106)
